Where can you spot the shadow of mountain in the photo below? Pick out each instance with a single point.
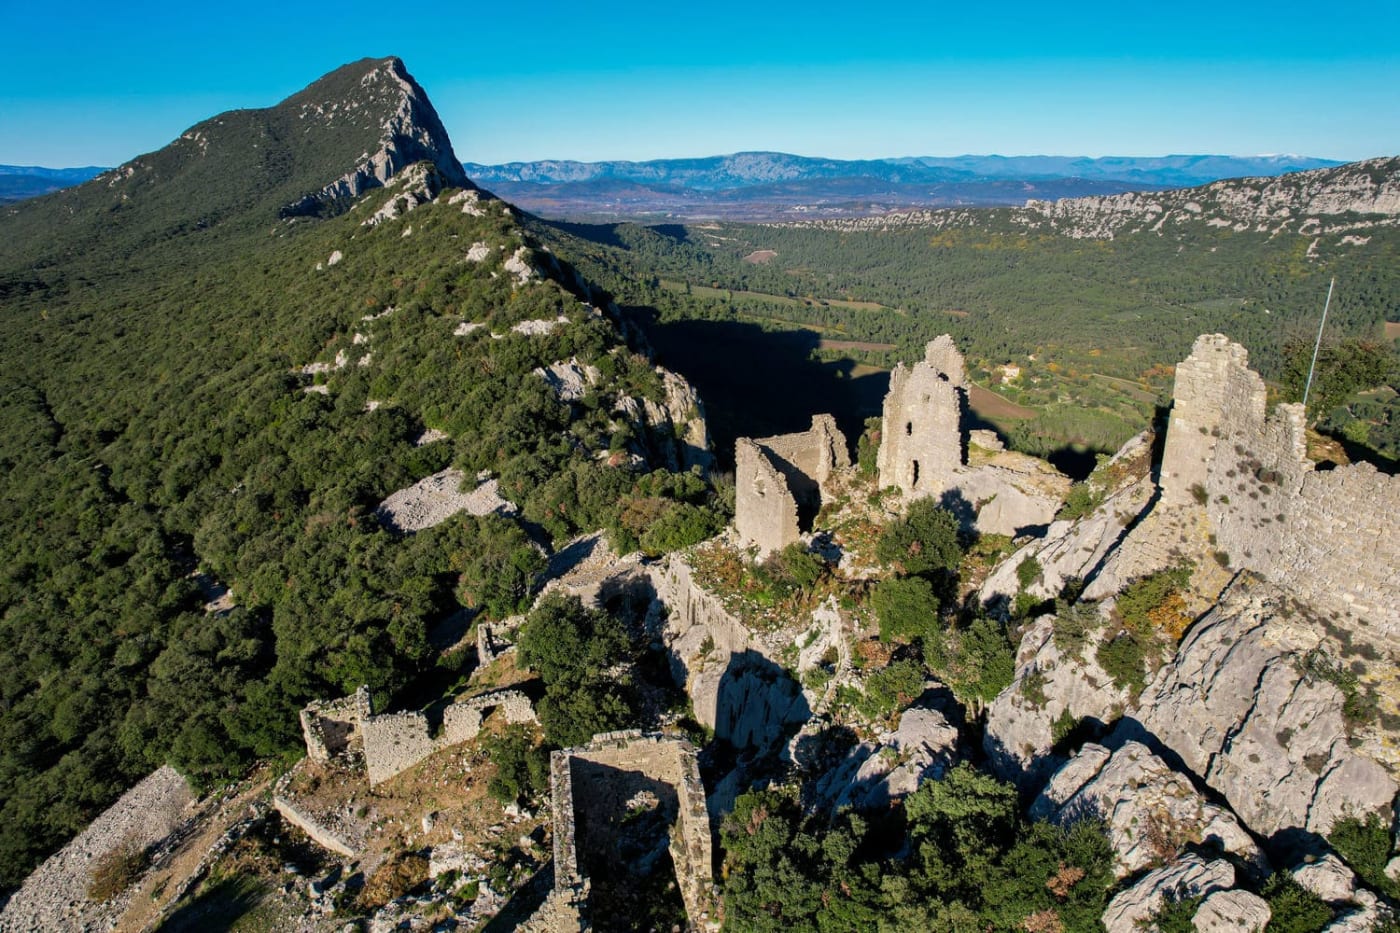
(758, 382)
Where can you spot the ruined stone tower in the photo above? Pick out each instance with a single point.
(779, 482)
(921, 443)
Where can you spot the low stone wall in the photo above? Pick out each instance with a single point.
(395, 742)
(321, 835)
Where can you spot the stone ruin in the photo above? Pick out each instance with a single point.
(593, 789)
(925, 451)
(1239, 477)
(395, 742)
(391, 743)
(332, 727)
(495, 639)
(921, 441)
(780, 482)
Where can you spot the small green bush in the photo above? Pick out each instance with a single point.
(1028, 572)
(1122, 658)
(1366, 847)
(907, 608)
(1293, 908)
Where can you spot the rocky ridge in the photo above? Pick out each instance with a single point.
(1354, 197)
(413, 133)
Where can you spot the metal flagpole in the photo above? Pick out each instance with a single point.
(1308, 388)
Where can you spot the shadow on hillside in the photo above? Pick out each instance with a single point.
(758, 382)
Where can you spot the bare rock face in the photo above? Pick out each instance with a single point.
(1241, 708)
(680, 415)
(1188, 876)
(1082, 549)
(1232, 912)
(1049, 683)
(873, 774)
(413, 133)
(1151, 811)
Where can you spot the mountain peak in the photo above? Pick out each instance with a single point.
(412, 132)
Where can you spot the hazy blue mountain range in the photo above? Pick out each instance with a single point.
(748, 169)
(778, 186)
(18, 182)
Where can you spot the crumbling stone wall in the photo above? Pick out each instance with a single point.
(921, 440)
(332, 727)
(395, 742)
(765, 510)
(1237, 488)
(495, 639)
(923, 451)
(577, 803)
(778, 478)
(1328, 535)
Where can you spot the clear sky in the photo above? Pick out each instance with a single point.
(93, 83)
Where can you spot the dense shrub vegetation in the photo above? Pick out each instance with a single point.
(955, 855)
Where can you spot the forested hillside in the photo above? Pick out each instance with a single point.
(1089, 325)
(165, 433)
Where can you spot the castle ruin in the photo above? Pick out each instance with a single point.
(921, 442)
(332, 727)
(391, 743)
(595, 789)
(780, 482)
(925, 451)
(1328, 534)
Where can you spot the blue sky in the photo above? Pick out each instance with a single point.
(100, 83)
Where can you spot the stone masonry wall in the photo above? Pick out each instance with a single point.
(774, 474)
(664, 759)
(395, 742)
(921, 440)
(1328, 535)
(765, 511)
(922, 451)
(331, 727)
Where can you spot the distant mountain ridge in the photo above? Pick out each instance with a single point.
(1355, 196)
(18, 182)
(743, 169)
(775, 186)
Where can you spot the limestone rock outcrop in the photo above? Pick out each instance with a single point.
(1244, 706)
(1232, 912)
(1050, 684)
(1083, 549)
(677, 422)
(1185, 877)
(1150, 810)
(878, 772)
(413, 133)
